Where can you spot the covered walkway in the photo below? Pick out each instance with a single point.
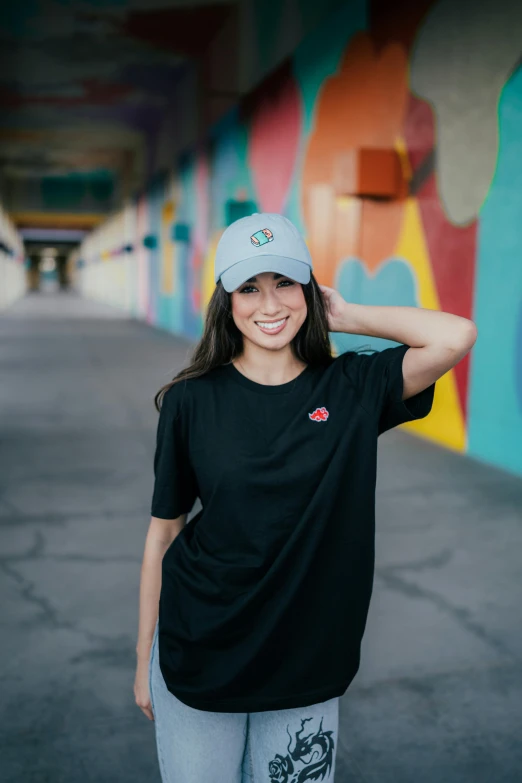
(439, 691)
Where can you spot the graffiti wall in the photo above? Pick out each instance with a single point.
(396, 148)
(13, 274)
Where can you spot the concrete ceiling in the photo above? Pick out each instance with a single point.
(85, 88)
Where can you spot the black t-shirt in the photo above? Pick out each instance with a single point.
(265, 592)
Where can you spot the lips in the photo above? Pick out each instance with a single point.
(272, 330)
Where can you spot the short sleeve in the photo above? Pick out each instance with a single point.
(380, 383)
(175, 485)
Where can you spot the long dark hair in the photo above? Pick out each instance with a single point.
(222, 341)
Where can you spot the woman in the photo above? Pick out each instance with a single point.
(252, 615)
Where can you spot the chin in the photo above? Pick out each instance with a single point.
(266, 341)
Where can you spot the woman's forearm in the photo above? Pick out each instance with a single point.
(414, 326)
(158, 540)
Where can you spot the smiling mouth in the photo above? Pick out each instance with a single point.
(272, 326)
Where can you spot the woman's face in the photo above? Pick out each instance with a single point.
(261, 302)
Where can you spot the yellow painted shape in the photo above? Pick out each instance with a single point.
(400, 146)
(208, 284)
(168, 210)
(445, 424)
(56, 219)
(168, 250)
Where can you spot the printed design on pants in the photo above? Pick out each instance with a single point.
(310, 759)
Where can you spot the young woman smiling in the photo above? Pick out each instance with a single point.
(251, 615)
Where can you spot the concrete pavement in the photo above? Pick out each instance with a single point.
(439, 693)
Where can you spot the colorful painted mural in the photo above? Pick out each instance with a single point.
(396, 149)
(13, 272)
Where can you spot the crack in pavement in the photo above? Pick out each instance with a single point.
(37, 552)
(48, 612)
(391, 577)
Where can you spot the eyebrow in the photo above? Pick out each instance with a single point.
(254, 279)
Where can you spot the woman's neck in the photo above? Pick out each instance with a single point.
(269, 367)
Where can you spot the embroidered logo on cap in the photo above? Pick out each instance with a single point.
(320, 414)
(262, 237)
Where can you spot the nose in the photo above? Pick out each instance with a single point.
(270, 305)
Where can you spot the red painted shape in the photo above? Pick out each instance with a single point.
(320, 414)
(273, 142)
(452, 248)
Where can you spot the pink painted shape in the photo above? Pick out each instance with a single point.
(273, 144)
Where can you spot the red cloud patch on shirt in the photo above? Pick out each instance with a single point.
(320, 414)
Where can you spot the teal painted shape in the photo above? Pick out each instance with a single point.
(319, 55)
(226, 167)
(293, 200)
(518, 356)
(93, 190)
(155, 201)
(313, 12)
(495, 397)
(20, 20)
(394, 284)
(150, 241)
(235, 210)
(163, 315)
(180, 232)
(268, 15)
(238, 178)
(181, 312)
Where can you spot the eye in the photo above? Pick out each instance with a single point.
(248, 288)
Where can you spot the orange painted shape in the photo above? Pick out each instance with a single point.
(362, 106)
(380, 226)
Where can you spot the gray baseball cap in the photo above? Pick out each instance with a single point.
(262, 242)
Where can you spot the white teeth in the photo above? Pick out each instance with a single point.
(271, 326)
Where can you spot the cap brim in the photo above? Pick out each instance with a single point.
(249, 267)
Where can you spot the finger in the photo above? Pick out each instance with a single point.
(148, 712)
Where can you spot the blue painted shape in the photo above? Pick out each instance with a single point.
(393, 284)
(495, 396)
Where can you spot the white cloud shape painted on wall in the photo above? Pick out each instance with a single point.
(462, 56)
